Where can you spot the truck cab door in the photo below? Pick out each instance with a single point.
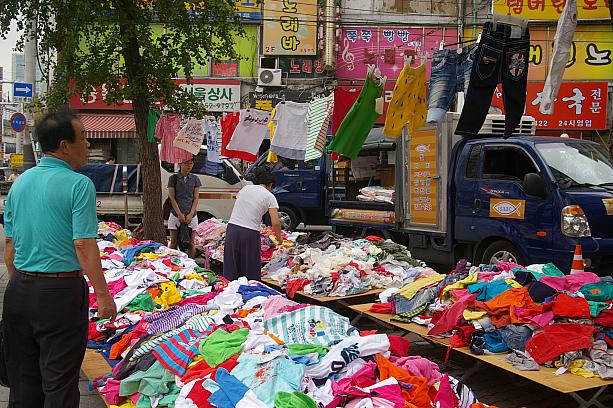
(501, 210)
(299, 183)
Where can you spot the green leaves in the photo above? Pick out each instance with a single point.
(134, 47)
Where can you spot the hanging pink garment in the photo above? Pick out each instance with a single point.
(166, 130)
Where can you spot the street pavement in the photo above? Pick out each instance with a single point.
(491, 385)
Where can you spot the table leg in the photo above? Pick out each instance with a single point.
(472, 370)
(592, 401)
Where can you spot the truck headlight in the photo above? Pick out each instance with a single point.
(574, 222)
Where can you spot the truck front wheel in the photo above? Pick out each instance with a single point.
(289, 219)
(502, 251)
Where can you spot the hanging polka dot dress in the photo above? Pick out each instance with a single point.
(409, 103)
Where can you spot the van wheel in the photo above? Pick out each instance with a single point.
(502, 251)
(288, 218)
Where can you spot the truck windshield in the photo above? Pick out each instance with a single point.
(577, 164)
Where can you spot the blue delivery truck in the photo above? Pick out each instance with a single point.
(525, 199)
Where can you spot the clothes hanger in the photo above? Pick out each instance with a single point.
(509, 20)
(407, 60)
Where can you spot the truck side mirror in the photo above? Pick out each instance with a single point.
(534, 185)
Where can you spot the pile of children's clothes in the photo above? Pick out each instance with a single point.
(331, 265)
(536, 314)
(187, 338)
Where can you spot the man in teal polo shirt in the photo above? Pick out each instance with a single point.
(50, 226)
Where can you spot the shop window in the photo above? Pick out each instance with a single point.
(506, 163)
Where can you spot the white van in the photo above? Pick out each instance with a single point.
(220, 184)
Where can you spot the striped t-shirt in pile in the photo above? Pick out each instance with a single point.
(177, 352)
(318, 119)
(310, 325)
(172, 317)
(198, 322)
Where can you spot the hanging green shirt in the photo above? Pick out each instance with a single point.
(152, 120)
(360, 119)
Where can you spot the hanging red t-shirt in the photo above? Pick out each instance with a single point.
(343, 101)
(228, 124)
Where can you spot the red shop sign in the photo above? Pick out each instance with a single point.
(579, 106)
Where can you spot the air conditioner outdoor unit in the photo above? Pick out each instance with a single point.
(269, 77)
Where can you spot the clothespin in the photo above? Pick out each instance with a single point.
(407, 60)
(479, 38)
(441, 45)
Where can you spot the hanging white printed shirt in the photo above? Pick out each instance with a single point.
(212, 130)
(190, 137)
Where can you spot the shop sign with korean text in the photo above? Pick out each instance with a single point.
(305, 67)
(551, 9)
(290, 27)
(266, 101)
(385, 47)
(248, 10)
(422, 172)
(591, 53)
(215, 95)
(224, 69)
(579, 106)
(16, 160)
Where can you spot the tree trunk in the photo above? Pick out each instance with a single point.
(153, 225)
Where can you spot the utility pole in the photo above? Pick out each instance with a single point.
(30, 57)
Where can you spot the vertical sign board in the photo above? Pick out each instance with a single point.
(290, 27)
(422, 184)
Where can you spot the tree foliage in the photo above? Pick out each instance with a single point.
(136, 48)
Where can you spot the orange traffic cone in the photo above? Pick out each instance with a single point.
(578, 265)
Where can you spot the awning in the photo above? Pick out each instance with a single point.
(108, 126)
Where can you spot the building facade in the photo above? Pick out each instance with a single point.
(295, 50)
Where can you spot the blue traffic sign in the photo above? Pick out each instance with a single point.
(18, 122)
(22, 89)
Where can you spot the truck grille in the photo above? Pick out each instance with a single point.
(494, 125)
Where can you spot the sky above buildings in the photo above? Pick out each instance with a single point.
(6, 49)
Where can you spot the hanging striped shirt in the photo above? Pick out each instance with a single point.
(318, 118)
